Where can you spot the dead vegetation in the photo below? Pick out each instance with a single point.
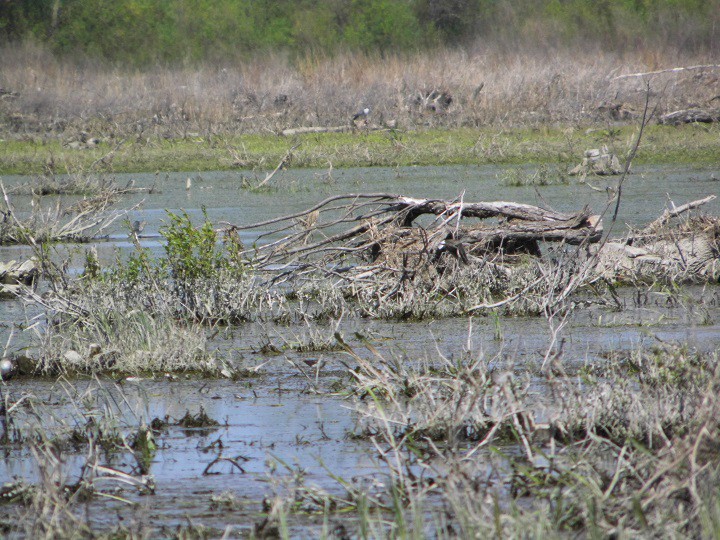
(624, 448)
(466, 444)
(372, 249)
(674, 248)
(59, 221)
(378, 255)
(446, 88)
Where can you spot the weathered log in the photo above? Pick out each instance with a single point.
(314, 129)
(413, 208)
(332, 129)
(688, 251)
(690, 116)
(582, 227)
(669, 70)
(380, 227)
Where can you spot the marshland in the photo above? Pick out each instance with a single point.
(487, 308)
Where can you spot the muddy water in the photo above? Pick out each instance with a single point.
(293, 413)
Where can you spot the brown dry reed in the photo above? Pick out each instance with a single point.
(485, 85)
(626, 448)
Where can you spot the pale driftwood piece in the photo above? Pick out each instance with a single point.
(14, 272)
(379, 228)
(690, 116)
(314, 129)
(676, 211)
(481, 210)
(330, 129)
(284, 161)
(669, 70)
(14, 275)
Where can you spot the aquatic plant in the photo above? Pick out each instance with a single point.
(78, 222)
(542, 176)
(630, 449)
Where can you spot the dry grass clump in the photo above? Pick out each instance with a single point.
(126, 342)
(80, 221)
(79, 183)
(95, 423)
(442, 88)
(227, 297)
(99, 327)
(628, 448)
(410, 293)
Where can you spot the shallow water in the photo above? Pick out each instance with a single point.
(290, 413)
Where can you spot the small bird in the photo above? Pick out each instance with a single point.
(138, 226)
(7, 368)
(455, 248)
(364, 113)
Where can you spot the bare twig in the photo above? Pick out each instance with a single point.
(669, 70)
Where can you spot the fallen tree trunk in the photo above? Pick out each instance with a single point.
(688, 251)
(690, 116)
(289, 132)
(314, 129)
(372, 227)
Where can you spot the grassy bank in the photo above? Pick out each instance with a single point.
(692, 144)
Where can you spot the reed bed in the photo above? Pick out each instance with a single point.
(471, 447)
(441, 88)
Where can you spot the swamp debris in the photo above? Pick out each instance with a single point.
(677, 250)
(384, 249)
(78, 222)
(397, 232)
(397, 255)
(87, 185)
(598, 161)
(15, 274)
(691, 116)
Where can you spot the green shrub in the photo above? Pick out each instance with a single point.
(142, 32)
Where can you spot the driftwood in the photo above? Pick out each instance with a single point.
(399, 256)
(685, 251)
(690, 116)
(331, 129)
(314, 129)
(669, 70)
(283, 163)
(374, 228)
(14, 275)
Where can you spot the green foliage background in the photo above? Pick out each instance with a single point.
(140, 32)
